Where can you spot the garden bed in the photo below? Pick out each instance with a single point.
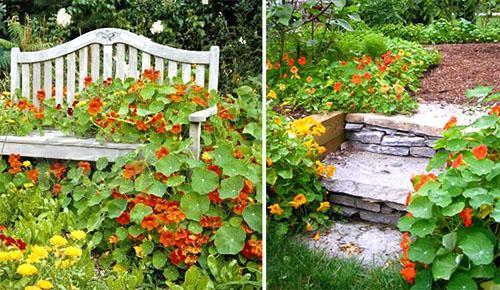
(462, 67)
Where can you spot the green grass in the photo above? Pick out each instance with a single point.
(291, 265)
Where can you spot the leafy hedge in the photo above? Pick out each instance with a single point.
(453, 216)
(156, 210)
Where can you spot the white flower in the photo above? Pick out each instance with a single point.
(242, 41)
(204, 2)
(157, 27)
(63, 19)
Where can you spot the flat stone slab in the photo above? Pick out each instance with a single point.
(372, 245)
(429, 120)
(373, 176)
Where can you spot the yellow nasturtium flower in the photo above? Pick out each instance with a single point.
(58, 241)
(323, 206)
(27, 269)
(298, 200)
(32, 288)
(78, 235)
(26, 163)
(44, 284)
(73, 252)
(37, 253)
(272, 94)
(276, 209)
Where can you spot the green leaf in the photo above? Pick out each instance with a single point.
(453, 209)
(168, 165)
(147, 247)
(481, 167)
(437, 160)
(423, 280)
(204, 181)
(143, 182)
(194, 205)
(477, 247)
(478, 92)
(440, 197)
(116, 207)
(147, 92)
(462, 281)
(254, 129)
(479, 200)
(455, 145)
(421, 207)
(159, 260)
(101, 163)
(484, 122)
(139, 211)
(231, 187)
(444, 266)
(483, 271)
(405, 223)
(253, 217)
(450, 241)
(229, 240)
(121, 233)
(175, 181)
(422, 228)
(423, 250)
(471, 192)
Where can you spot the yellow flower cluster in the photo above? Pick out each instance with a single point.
(276, 209)
(11, 256)
(307, 126)
(312, 146)
(327, 171)
(298, 200)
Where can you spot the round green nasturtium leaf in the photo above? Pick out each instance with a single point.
(139, 211)
(453, 209)
(405, 223)
(423, 250)
(440, 197)
(204, 181)
(194, 205)
(481, 167)
(175, 180)
(423, 280)
(471, 192)
(421, 207)
(462, 281)
(444, 266)
(168, 165)
(253, 217)
(170, 273)
(101, 163)
(147, 247)
(159, 260)
(116, 207)
(121, 233)
(479, 200)
(231, 187)
(450, 241)
(478, 248)
(195, 228)
(143, 181)
(483, 271)
(229, 240)
(422, 228)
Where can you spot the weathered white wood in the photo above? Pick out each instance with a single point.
(203, 115)
(132, 62)
(159, 66)
(36, 82)
(146, 61)
(106, 36)
(25, 76)
(59, 79)
(213, 71)
(95, 56)
(186, 72)
(120, 61)
(47, 78)
(70, 78)
(200, 75)
(107, 66)
(172, 70)
(83, 63)
(14, 72)
(195, 134)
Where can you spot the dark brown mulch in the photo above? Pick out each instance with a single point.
(462, 67)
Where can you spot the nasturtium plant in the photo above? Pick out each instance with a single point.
(453, 212)
(157, 206)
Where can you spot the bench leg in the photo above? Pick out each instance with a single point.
(195, 134)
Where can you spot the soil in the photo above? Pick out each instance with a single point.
(462, 67)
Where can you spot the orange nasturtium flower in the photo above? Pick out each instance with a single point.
(276, 209)
(162, 152)
(150, 222)
(32, 175)
(87, 81)
(316, 236)
(85, 166)
(466, 216)
(480, 152)
(367, 76)
(458, 161)
(323, 206)
(58, 169)
(176, 129)
(337, 87)
(95, 106)
(356, 79)
(309, 227)
(451, 123)
(294, 69)
(309, 79)
(495, 111)
(298, 200)
(40, 96)
(302, 60)
(409, 272)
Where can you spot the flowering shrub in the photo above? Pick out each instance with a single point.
(453, 216)
(157, 207)
(296, 198)
(363, 84)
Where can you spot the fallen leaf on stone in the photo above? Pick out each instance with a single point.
(350, 249)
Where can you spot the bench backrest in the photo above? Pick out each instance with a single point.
(107, 52)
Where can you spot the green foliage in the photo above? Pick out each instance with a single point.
(375, 45)
(146, 210)
(454, 215)
(442, 31)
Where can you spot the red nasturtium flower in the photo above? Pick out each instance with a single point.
(87, 81)
(252, 249)
(124, 218)
(495, 111)
(176, 129)
(151, 74)
(150, 222)
(95, 106)
(85, 166)
(409, 272)
(458, 161)
(214, 197)
(480, 152)
(58, 169)
(132, 169)
(291, 62)
(466, 216)
(337, 87)
(367, 76)
(56, 189)
(141, 126)
(15, 163)
(419, 180)
(451, 123)
(213, 222)
(162, 152)
(177, 256)
(302, 60)
(32, 175)
(356, 79)
(40, 96)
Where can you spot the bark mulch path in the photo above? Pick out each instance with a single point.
(462, 67)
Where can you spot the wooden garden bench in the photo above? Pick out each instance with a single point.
(109, 52)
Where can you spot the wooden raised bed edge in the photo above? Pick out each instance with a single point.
(334, 135)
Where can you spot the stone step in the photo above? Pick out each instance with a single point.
(371, 244)
(371, 186)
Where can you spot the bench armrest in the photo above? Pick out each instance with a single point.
(202, 116)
